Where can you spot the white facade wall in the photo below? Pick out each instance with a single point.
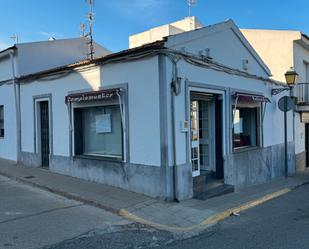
(60, 118)
(39, 56)
(5, 68)
(143, 95)
(275, 47)
(8, 145)
(231, 53)
(281, 49)
(273, 127)
(301, 60)
(158, 33)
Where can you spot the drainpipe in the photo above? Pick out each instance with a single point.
(175, 90)
(16, 86)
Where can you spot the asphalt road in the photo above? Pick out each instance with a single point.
(280, 223)
(33, 218)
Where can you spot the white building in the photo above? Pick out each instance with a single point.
(158, 33)
(163, 119)
(282, 49)
(28, 58)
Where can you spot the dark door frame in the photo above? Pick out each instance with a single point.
(44, 121)
(217, 99)
(219, 138)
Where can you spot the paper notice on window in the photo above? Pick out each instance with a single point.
(238, 126)
(103, 123)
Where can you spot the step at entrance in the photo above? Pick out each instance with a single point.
(207, 186)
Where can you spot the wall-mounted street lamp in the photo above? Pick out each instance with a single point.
(286, 104)
(290, 78)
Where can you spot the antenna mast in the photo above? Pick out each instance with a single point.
(190, 4)
(90, 17)
(15, 38)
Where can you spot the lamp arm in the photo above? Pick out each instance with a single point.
(276, 91)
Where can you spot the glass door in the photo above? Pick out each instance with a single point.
(195, 154)
(205, 135)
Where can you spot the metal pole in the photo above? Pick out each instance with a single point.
(285, 139)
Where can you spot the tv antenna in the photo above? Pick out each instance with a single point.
(90, 18)
(82, 27)
(190, 4)
(14, 38)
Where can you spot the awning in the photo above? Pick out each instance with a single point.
(250, 97)
(100, 95)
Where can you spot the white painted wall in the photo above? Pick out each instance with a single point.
(231, 53)
(275, 47)
(301, 59)
(8, 147)
(143, 94)
(60, 120)
(273, 132)
(5, 68)
(158, 33)
(281, 49)
(40, 56)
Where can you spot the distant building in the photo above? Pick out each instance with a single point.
(282, 49)
(158, 33)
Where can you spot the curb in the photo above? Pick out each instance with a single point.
(210, 220)
(129, 216)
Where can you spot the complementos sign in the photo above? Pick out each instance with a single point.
(92, 96)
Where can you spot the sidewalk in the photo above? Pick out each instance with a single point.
(189, 215)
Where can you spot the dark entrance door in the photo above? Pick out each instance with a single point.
(307, 144)
(44, 125)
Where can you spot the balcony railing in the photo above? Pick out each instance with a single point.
(301, 91)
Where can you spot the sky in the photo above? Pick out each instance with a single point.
(115, 20)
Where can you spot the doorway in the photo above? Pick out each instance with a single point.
(44, 133)
(206, 134)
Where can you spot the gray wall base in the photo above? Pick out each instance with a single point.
(144, 179)
(30, 159)
(184, 182)
(301, 162)
(258, 165)
(138, 178)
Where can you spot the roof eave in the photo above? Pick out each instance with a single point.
(96, 61)
(303, 41)
(8, 50)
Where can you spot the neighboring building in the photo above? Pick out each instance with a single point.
(161, 119)
(158, 33)
(28, 58)
(282, 49)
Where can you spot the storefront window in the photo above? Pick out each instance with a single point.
(1, 121)
(245, 127)
(98, 131)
